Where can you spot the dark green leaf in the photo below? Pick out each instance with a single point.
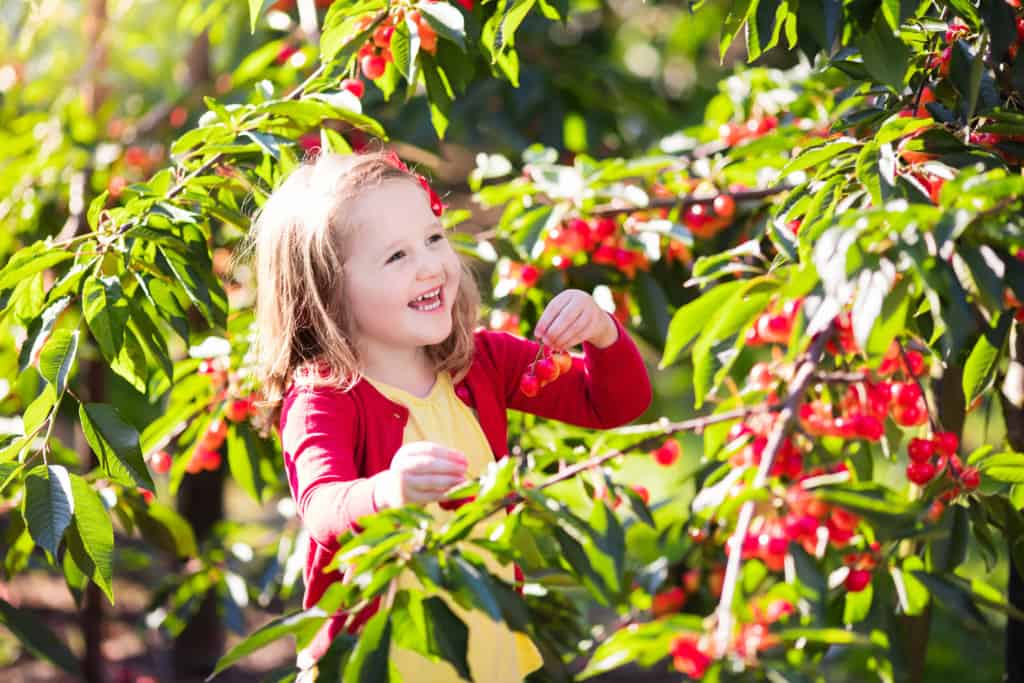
(37, 638)
(982, 363)
(48, 505)
(115, 443)
(91, 538)
(369, 659)
(289, 624)
(106, 311)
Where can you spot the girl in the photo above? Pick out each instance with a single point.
(385, 394)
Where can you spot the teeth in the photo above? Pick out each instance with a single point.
(428, 295)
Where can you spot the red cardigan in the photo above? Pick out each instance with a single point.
(334, 441)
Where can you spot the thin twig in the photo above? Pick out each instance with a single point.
(790, 408)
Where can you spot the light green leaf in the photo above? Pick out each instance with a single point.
(115, 443)
(91, 539)
(57, 358)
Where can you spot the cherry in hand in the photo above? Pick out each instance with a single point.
(546, 368)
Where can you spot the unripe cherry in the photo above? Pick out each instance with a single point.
(563, 361)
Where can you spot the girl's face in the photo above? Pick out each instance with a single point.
(401, 274)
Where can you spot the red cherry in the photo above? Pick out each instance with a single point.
(238, 410)
(907, 393)
(354, 86)
(382, 35)
(641, 491)
(915, 363)
(529, 275)
(546, 370)
(724, 205)
(946, 442)
(668, 453)
(211, 461)
(844, 519)
(146, 494)
(668, 601)
(160, 462)
(920, 450)
(868, 427)
(373, 66)
(214, 436)
(857, 580)
(971, 478)
(529, 385)
(920, 472)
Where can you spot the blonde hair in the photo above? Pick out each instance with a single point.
(304, 329)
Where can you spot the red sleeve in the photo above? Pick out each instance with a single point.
(605, 388)
(318, 440)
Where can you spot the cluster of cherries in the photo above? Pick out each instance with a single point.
(234, 407)
(734, 133)
(860, 568)
(375, 54)
(693, 654)
(545, 369)
(599, 237)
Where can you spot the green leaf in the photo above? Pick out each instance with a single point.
(91, 538)
(439, 95)
(106, 311)
(290, 624)
(39, 331)
(37, 638)
(829, 636)
(818, 155)
(405, 46)
(912, 595)
(164, 527)
(28, 261)
(429, 627)
(954, 596)
(48, 505)
(477, 582)
(115, 443)
(1004, 467)
(690, 320)
(982, 363)
(244, 451)
(255, 10)
(369, 659)
(57, 358)
(885, 56)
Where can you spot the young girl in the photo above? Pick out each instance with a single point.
(387, 396)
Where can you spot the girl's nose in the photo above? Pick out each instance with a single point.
(430, 266)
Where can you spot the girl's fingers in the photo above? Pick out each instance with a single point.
(574, 334)
(433, 484)
(551, 313)
(565, 320)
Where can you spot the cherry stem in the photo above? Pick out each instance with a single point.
(917, 380)
(798, 388)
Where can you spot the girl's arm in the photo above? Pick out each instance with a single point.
(605, 388)
(318, 439)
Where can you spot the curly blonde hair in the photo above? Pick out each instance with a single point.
(304, 329)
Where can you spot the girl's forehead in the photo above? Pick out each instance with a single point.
(389, 211)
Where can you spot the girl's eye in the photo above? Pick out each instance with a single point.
(436, 237)
(394, 257)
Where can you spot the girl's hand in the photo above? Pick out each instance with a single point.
(420, 472)
(573, 317)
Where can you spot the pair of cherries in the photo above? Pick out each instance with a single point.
(545, 369)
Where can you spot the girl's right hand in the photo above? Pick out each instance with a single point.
(420, 472)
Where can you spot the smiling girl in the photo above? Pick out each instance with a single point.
(386, 393)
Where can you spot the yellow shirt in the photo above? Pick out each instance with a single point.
(495, 653)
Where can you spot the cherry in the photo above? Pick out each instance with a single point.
(724, 205)
(668, 453)
(354, 86)
(285, 53)
(373, 66)
(688, 658)
(211, 461)
(946, 442)
(215, 435)
(238, 410)
(907, 394)
(529, 384)
(868, 427)
(668, 601)
(563, 361)
(642, 492)
(971, 478)
(529, 275)
(920, 450)
(146, 494)
(857, 580)
(160, 462)
(844, 519)
(920, 472)
(546, 370)
(382, 35)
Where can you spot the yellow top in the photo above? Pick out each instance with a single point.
(495, 653)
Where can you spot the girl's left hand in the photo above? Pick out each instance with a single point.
(574, 317)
